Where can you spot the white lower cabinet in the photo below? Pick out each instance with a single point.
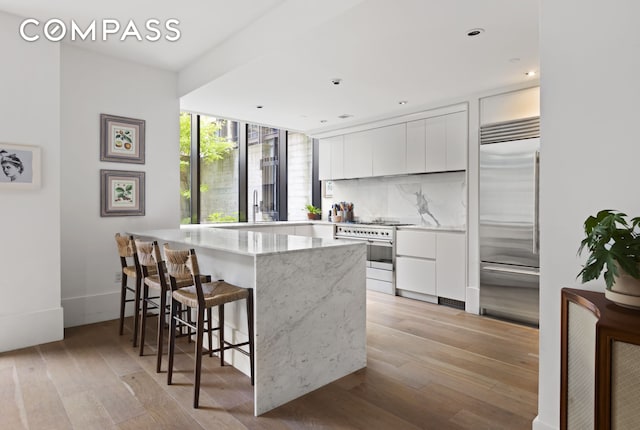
(431, 263)
(451, 265)
(416, 274)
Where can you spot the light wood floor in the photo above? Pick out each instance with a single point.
(428, 367)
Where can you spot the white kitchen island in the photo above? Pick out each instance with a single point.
(309, 305)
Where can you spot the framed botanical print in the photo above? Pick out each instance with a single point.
(121, 193)
(20, 167)
(121, 139)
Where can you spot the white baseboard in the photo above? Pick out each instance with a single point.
(93, 309)
(472, 304)
(31, 328)
(539, 425)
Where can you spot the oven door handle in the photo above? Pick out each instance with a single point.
(381, 241)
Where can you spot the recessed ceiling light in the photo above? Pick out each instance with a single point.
(259, 107)
(475, 32)
(403, 102)
(530, 73)
(323, 121)
(345, 116)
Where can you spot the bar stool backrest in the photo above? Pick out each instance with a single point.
(176, 263)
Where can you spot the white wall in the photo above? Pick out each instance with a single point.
(589, 150)
(93, 84)
(30, 255)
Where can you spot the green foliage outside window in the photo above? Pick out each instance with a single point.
(212, 148)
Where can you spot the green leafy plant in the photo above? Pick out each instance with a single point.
(220, 217)
(313, 210)
(612, 242)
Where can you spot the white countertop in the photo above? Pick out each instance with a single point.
(455, 229)
(255, 224)
(242, 242)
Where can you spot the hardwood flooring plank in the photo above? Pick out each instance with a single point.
(86, 412)
(12, 413)
(161, 406)
(42, 404)
(141, 422)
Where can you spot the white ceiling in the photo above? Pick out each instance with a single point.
(283, 54)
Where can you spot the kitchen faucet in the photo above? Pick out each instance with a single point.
(255, 204)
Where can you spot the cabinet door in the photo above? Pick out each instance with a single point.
(436, 149)
(324, 231)
(416, 146)
(337, 157)
(324, 159)
(457, 141)
(358, 155)
(415, 274)
(451, 266)
(303, 230)
(416, 243)
(390, 150)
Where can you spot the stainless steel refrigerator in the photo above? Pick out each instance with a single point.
(509, 234)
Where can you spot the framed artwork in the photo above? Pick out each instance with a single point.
(121, 193)
(121, 139)
(327, 189)
(20, 167)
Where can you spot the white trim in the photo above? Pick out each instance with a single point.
(472, 304)
(537, 424)
(31, 328)
(91, 309)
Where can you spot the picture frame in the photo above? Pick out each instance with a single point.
(122, 193)
(122, 139)
(327, 189)
(21, 167)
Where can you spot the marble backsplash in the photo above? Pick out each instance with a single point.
(436, 199)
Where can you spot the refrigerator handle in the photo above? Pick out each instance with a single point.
(536, 202)
(510, 270)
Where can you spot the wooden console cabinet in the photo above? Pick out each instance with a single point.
(600, 363)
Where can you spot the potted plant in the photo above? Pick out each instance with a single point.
(313, 212)
(613, 246)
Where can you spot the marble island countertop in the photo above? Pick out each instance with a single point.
(258, 225)
(242, 242)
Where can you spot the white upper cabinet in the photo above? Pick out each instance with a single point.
(457, 141)
(324, 159)
(358, 154)
(416, 146)
(436, 144)
(389, 150)
(331, 158)
(337, 157)
(509, 106)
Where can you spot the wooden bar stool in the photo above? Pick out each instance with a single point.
(127, 253)
(154, 272)
(201, 297)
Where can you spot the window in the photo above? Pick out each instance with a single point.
(185, 168)
(262, 172)
(219, 170)
(230, 170)
(299, 176)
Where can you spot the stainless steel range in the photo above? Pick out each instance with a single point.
(381, 255)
